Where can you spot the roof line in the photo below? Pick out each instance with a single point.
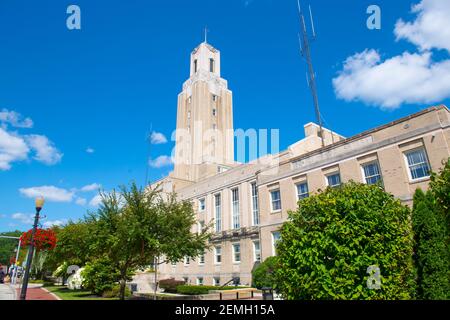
(370, 131)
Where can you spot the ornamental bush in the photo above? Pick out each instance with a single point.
(170, 285)
(100, 276)
(61, 271)
(193, 290)
(332, 239)
(75, 281)
(262, 275)
(197, 290)
(115, 292)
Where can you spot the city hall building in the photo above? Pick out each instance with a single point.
(248, 203)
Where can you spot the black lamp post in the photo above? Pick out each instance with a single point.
(39, 204)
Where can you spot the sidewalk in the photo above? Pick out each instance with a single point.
(36, 292)
(6, 292)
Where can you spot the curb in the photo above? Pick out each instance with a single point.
(51, 293)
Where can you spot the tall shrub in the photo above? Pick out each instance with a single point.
(262, 275)
(432, 237)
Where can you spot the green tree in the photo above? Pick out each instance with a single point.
(329, 243)
(440, 189)
(262, 275)
(7, 246)
(431, 235)
(72, 247)
(134, 227)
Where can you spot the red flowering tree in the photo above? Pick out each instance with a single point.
(44, 239)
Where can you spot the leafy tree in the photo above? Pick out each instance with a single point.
(262, 275)
(7, 246)
(73, 244)
(134, 227)
(329, 243)
(72, 247)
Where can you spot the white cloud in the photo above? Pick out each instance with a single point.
(158, 138)
(91, 187)
(53, 223)
(23, 218)
(81, 201)
(50, 193)
(44, 148)
(406, 78)
(431, 29)
(15, 147)
(15, 119)
(95, 201)
(161, 161)
(90, 150)
(12, 148)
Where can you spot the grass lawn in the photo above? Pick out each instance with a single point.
(66, 294)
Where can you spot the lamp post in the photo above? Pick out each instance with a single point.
(39, 204)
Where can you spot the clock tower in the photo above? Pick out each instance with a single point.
(204, 135)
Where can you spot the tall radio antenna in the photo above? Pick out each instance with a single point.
(148, 144)
(306, 53)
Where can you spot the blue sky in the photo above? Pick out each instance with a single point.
(77, 105)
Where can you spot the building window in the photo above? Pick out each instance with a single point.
(195, 66)
(302, 191)
(189, 115)
(334, 180)
(186, 280)
(257, 251)
(218, 205)
(276, 200)
(201, 259)
(418, 164)
(236, 253)
(211, 65)
(214, 97)
(202, 204)
(255, 206)
(214, 126)
(276, 236)
(235, 205)
(200, 281)
(372, 173)
(214, 112)
(200, 226)
(218, 255)
(187, 261)
(216, 281)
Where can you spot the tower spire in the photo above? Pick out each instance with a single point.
(206, 34)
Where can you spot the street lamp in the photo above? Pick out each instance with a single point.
(39, 204)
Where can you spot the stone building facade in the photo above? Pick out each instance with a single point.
(248, 203)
